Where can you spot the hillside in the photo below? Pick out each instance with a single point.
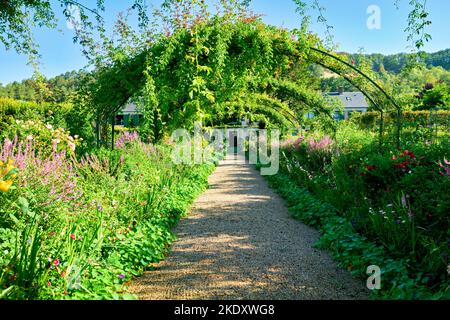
(395, 63)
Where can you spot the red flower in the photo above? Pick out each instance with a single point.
(410, 154)
(72, 236)
(63, 273)
(56, 262)
(402, 165)
(394, 158)
(49, 284)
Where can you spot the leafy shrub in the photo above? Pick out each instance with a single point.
(79, 229)
(353, 251)
(393, 198)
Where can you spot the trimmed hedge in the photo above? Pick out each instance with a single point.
(441, 117)
(19, 109)
(12, 110)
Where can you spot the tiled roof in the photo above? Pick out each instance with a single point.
(351, 100)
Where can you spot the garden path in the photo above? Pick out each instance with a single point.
(240, 242)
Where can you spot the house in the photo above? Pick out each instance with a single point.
(352, 101)
(129, 116)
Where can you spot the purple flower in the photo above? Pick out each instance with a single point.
(121, 276)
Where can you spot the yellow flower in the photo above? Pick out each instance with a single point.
(8, 168)
(5, 185)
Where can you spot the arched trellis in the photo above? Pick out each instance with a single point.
(276, 105)
(301, 95)
(245, 44)
(118, 86)
(322, 62)
(365, 93)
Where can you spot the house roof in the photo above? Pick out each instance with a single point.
(130, 108)
(351, 100)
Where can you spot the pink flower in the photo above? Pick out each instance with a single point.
(56, 262)
(323, 144)
(446, 167)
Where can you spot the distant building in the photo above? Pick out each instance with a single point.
(352, 102)
(129, 116)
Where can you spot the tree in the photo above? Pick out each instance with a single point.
(436, 97)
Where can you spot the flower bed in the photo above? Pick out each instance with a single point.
(79, 229)
(391, 202)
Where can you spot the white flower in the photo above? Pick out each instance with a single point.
(49, 126)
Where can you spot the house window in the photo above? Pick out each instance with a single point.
(120, 120)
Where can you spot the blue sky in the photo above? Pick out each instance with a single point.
(348, 17)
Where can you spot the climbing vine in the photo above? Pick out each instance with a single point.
(223, 67)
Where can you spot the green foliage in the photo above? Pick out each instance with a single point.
(384, 204)
(12, 110)
(420, 126)
(438, 97)
(93, 224)
(397, 62)
(61, 88)
(353, 251)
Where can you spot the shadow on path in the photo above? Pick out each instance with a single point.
(241, 243)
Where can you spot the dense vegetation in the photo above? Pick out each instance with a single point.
(58, 89)
(375, 206)
(395, 63)
(80, 228)
(418, 88)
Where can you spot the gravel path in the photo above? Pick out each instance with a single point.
(241, 243)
